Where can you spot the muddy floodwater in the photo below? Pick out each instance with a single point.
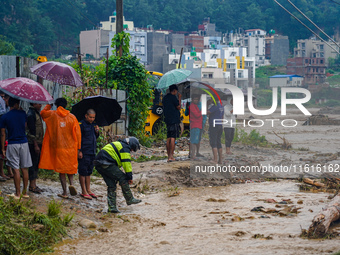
(239, 214)
(204, 219)
(213, 220)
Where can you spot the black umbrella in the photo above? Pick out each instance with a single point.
(107, 109)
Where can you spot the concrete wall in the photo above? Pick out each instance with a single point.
(92, 40)
(156, 48)
(7, 67)
(279, 51)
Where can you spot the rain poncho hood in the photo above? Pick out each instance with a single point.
(61, 142)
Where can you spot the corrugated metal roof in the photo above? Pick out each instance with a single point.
(285, 76)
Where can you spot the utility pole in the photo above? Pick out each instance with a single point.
(119, 21)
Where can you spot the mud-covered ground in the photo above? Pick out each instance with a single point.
(183, 215)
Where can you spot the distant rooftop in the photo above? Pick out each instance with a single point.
(285, 76)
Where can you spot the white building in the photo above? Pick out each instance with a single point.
(138, 44)
(111, 24)
(253, 40)
(286, 81)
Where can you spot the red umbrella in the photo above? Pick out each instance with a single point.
(26, 90)
(57, 72)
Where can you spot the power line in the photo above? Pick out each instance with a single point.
(81, 13)
(306, 26)
(314, 24)
(335, 2)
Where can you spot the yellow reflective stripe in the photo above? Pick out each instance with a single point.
(109, 149)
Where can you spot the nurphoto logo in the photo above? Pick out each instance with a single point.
(238, 107)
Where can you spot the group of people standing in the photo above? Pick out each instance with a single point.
(215, 113)
(67, 147)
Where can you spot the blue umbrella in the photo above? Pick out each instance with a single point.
(173, 77)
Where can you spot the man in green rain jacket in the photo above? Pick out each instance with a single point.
(108, 162)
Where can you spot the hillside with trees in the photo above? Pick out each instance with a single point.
(29, 26)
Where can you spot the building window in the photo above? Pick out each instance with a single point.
(210, 76)
(303, 45)
(303, 53)
(113, 20)
(321, 56)
(321, 61)
(321, 46)
(306, 61)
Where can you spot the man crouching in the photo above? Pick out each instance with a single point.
(108, 162)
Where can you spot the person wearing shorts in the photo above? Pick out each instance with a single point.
(172, 107)
(195, 125)
(17, 153)
(89, 135)
(216, 112)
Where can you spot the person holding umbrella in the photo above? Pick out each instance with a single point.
(89, 135)
(17, 153)
(172, 107)
(61, 144)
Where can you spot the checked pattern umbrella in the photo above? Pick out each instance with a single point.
(26, 90)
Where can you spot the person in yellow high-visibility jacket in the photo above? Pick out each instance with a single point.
(108, 162)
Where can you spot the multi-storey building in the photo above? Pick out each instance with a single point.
(277, 49)
(312, 69)
(312, 48)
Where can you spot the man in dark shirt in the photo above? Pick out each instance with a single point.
(89, 135)
(17, 153)
(215, 130)
(172, 107)
(35, 135)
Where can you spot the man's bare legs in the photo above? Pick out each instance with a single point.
(17, 181)
(9, 172)
(170, 147)
(62, 178)
(193, 151)
(220, 155)
(2, 173)
(214, 150)
(70, 179)
(217, 155)
(85, 184)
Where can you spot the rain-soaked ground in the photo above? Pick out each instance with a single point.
(179, 215)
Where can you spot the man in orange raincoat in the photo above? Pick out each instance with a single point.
(61, 144)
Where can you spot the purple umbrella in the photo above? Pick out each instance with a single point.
(58, 72)
(26, 90)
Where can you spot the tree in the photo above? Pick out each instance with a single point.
(6, 48)
(127, 73)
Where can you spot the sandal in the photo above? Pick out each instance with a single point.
(86, 196)
(14, 196)
(93, 195)
(72, 190)
(62, 196)
(35, 190)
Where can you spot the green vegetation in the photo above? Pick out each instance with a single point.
(26, 231)
(253, 138)
(143, 158)
(334, 80)
(51, 25)
(127, 73)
